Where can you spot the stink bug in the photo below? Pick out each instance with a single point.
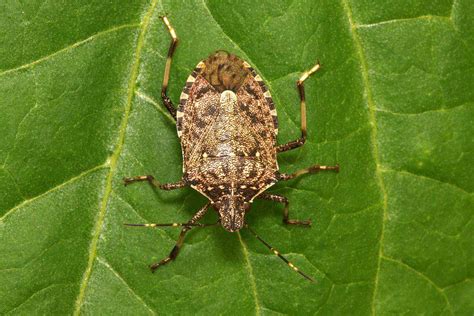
(228, 126)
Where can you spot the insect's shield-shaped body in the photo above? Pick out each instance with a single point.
(227, 125)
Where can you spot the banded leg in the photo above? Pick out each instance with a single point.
(311, 170)
(175, 251)
(286, 211)
(164, 87)
(300, 84)
(171, 225)
(155, 183)
(276, 252)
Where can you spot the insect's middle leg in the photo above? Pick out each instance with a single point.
(300, 84)
(174, 42)
(175, 251)
(286, 211)
(163, 186)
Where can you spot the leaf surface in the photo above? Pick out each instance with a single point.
(393, 105)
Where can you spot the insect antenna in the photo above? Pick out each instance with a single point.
(172, 225)
(276, 252)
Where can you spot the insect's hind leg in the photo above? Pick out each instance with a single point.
(286, 211)
(163, 186)
(300, 84)
(179, 243)
(164, 87)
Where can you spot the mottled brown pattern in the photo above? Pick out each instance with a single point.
(227, 124)
(204, 100)
(228, 150)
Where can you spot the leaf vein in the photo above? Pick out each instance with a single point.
(69, 47)
(251, 274)
(428, 17)
(108, 266)
(155, 104)
(326, 300)
(38, 292)
(447, 287)
(406, 172)
(424, 277)
(14, 182)
(440, 110)
(97, 230)
(59, 186)
(162, 232)
(373, 123)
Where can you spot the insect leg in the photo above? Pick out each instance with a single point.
(171, 225)
(155, 183)
(276, 252)
(300, 84)
(175, 251)
(286, 211)
(312, 169)
(164, 87)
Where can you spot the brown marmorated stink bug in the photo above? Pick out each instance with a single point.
(228, 126)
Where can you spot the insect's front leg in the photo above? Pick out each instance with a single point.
(174, 42)
(300, 85)
(286, 211)
(311, 170)
(163, 186)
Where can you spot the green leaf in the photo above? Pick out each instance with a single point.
(393, 105)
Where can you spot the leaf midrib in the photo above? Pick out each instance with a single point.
(373, 136)
(115, 157)
(372, 110)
